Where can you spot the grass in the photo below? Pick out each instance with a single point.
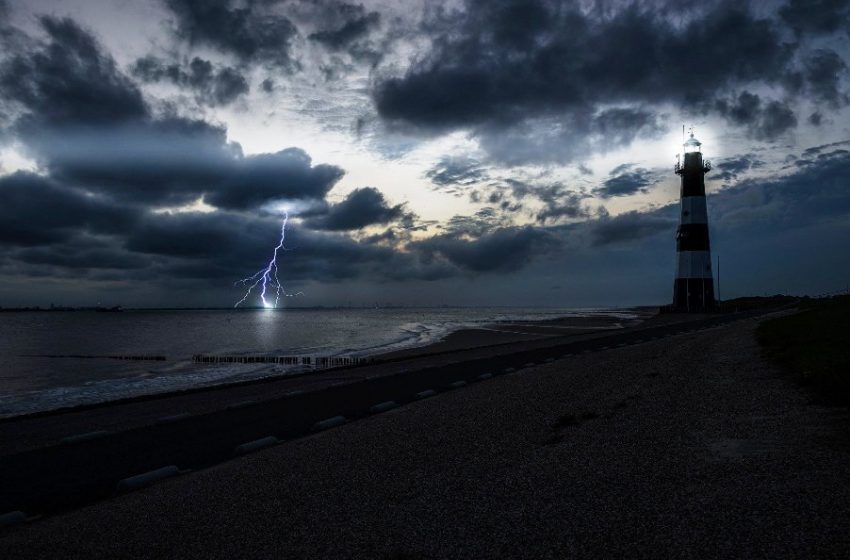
(755, 302)
(814, 345)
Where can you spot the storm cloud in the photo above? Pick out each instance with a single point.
(211, 86)
(496, 64)
(625, 180)
(362, 207)
(502, 250)
(89, 126)
(250, 31)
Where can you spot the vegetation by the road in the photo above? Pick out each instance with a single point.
(814, 345)
(755, 302)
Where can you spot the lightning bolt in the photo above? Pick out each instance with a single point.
(267, 277)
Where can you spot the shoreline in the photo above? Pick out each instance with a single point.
(495, 333)
(510, 331)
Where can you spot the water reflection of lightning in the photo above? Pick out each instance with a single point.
(268, 275)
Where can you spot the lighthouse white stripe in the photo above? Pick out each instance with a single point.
(694, 264)
(693, 210)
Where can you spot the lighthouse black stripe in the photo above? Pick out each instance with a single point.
(693, 210)
(693, 183)
(692, 237)
(693, 293)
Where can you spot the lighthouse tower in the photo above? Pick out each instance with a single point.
(693, 290)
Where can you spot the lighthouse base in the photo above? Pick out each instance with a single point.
(694, 295)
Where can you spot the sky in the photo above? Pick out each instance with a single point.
(427, 152)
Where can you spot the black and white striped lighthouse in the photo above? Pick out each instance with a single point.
(694, 287)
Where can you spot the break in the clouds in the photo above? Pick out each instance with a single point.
(483, 150)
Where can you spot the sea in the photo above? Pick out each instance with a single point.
(51, 360)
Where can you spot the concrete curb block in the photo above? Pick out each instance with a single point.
(146, 479)
(383, 407)
(425, 394)
(332, 422)
(458, 384)
(84, 437)
(255, 445)
(239, 404)
(172, 418)
(12, 518)
(484, 376)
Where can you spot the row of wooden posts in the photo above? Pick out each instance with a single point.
(320, 361)
(134, 357)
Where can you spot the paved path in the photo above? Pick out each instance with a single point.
(688, 446)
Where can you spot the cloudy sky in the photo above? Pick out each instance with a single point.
(473, 152)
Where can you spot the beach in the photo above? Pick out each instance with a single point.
(618, 450)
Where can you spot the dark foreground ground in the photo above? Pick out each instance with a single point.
(687, 446)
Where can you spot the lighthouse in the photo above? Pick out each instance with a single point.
(693, 290)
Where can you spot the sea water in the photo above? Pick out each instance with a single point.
(36, 372)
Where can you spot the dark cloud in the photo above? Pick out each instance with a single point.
(456, 170)
(175, 161)
(288, 174)
(815, 193)
(631, 227)
(222, 247)
(729, 169)
(816, 16)
(38, 211)
(353, 22)
(559, 202)
(83, 253)
(823, 74)
(626, 180)
(817, 150)
(503, 250)
(211, 86)
(250, 30)
(482, 222)
(496, 64)
(69, 81)
(764, 121)
(362, 207)
(88, 126)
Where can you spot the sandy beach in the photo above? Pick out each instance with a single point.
(628, 451)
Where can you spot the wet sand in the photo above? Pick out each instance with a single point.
(688, 446)
(508, 332)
